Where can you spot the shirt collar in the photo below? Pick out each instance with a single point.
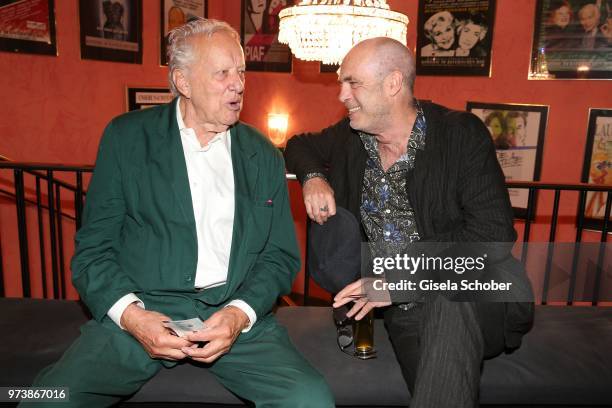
(186, 131)
(417, 137)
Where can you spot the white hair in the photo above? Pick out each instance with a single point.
(180, 50)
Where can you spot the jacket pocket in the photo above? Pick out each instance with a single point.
(259, 226)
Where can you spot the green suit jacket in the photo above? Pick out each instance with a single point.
(138, 233)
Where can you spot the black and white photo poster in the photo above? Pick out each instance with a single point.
(454, 37)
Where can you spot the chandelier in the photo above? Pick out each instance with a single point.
(325, 30)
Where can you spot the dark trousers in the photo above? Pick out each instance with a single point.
(440, 348)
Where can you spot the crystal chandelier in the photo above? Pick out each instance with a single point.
(325, 30)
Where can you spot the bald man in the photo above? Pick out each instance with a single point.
(592, 36)
(412, 172)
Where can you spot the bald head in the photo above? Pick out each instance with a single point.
(385, 55)
(589, 16)
(376, 79)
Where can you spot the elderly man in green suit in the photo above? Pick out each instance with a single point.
(187, 215)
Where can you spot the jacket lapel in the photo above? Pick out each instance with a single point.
(246, 174)
(169, 158)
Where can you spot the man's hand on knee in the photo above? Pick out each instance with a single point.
(221, 331)
(319, 199)
(147, 327)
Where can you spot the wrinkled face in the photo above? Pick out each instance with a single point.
(216, 79)
(361, 91)
(517, 129)
(588, 18)
(469, 35)
(561, 17)
(443, 35)
(495, 128)
(258, 6)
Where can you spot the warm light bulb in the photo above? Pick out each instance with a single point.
(277, 128)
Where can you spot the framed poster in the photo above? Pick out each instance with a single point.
(518, 134)
(175, 13)
(454, 37)
(111, 30)
(597, 167)
(28, 26)
(572, 40)
(143, 98)
(259, 36)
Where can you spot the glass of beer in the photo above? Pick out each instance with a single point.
(364, 336)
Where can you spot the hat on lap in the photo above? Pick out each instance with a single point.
(334, 251)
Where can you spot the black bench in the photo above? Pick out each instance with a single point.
(565, 361)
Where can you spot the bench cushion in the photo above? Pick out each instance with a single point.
(566, 359)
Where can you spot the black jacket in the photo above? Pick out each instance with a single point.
(456, 188)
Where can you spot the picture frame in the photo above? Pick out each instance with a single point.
(174, 13)
(597, 168)
(111, 30)
(146, 97)
(328, 68)
(454, 37)
(518, 134)
(28, 27)
(259, 28)
(572, 40)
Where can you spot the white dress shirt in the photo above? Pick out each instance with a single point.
(211, 181)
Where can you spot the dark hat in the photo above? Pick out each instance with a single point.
(334, 251)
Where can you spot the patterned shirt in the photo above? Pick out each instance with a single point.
(386, 212)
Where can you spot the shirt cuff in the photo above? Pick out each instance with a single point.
(248, 310)
(116, 311)
(313, 174)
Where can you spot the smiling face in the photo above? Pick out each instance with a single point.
(469, 35)
(561, 16)
(215, 80)
(443, 35)
(361, 91)
(589, 17)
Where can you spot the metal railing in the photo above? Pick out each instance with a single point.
(36, 185)
(54, 195)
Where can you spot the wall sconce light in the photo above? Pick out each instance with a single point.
(277, 128)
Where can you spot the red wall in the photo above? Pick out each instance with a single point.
(55, 108)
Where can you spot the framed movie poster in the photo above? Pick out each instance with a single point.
(572, 40)
(454, 37)
(259, 36)
(518, 134)
(175, 13)
(111, 30)
(597, 167)
(28, 26)
(143, 98)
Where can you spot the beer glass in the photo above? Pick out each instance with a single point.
(364, 336)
